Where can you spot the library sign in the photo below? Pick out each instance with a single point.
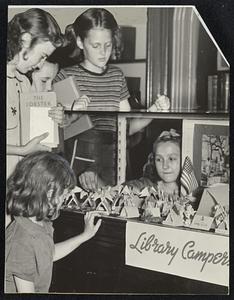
(201, 256)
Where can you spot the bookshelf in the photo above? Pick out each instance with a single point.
(128, 61)
(218, 91)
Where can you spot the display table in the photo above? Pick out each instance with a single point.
(99, 265)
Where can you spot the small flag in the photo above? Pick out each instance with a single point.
(188, 180)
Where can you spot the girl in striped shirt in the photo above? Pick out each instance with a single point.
(94, 35)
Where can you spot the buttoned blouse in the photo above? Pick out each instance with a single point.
(16, 84)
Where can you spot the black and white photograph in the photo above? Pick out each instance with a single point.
(117, 152)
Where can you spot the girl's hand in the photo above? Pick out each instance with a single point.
(56, 113)
(34, 145)
(90, 229)
(90, 181)
(162, 103)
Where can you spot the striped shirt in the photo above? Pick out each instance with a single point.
(105, 91)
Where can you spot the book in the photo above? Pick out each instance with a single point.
(218, 92)
(212, 93)
(34, 108)
(82, 124)
(69, 94)
(226, 95)
(223, 90)
(215, 92)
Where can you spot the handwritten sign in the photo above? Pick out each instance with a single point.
(186, 253)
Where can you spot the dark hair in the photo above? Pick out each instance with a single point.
(34, 176)
(149, 168)
(39, 23)
(92, 18)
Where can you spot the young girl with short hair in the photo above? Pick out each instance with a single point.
(35, 193)
(163, 167)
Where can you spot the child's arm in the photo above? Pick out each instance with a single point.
(24, 286)
(162, 103)
(32, 146)
(64, 248)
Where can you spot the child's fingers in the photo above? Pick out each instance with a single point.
(162, 102)
(55, 110)
(88, 180)
(84, 181)
(90, 215)
(41, 137)
(98, 224)
(43, 148)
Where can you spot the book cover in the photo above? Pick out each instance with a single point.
(82, 124)
(69, 94)
(35, 121)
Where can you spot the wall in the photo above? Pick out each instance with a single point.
(131, 16)
(136, 70)
(127, 16)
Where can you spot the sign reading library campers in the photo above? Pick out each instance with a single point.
(186, 253)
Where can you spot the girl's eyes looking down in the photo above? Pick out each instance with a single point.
(97, 45)
(170, 158)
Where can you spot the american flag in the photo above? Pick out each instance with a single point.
(188, 180)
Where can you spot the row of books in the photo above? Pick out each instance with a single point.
(219, 92)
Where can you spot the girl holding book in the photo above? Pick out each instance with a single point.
(35, 193)
(95, 33)
(32, 36)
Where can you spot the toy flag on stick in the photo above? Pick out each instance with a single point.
(188, 180)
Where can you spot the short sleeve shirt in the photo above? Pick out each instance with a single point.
(29, 254)
(104, 90)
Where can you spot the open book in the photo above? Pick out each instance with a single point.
(69, 94)
(34, 108)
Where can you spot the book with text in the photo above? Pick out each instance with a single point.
(34, 108)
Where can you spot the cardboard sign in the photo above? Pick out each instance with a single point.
(196, 255)
(205, 213)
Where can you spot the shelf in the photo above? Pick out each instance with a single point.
(128, 61)
(196, 115)
(98, 266)
(135, 113)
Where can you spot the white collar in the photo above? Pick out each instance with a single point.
(13, 73)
